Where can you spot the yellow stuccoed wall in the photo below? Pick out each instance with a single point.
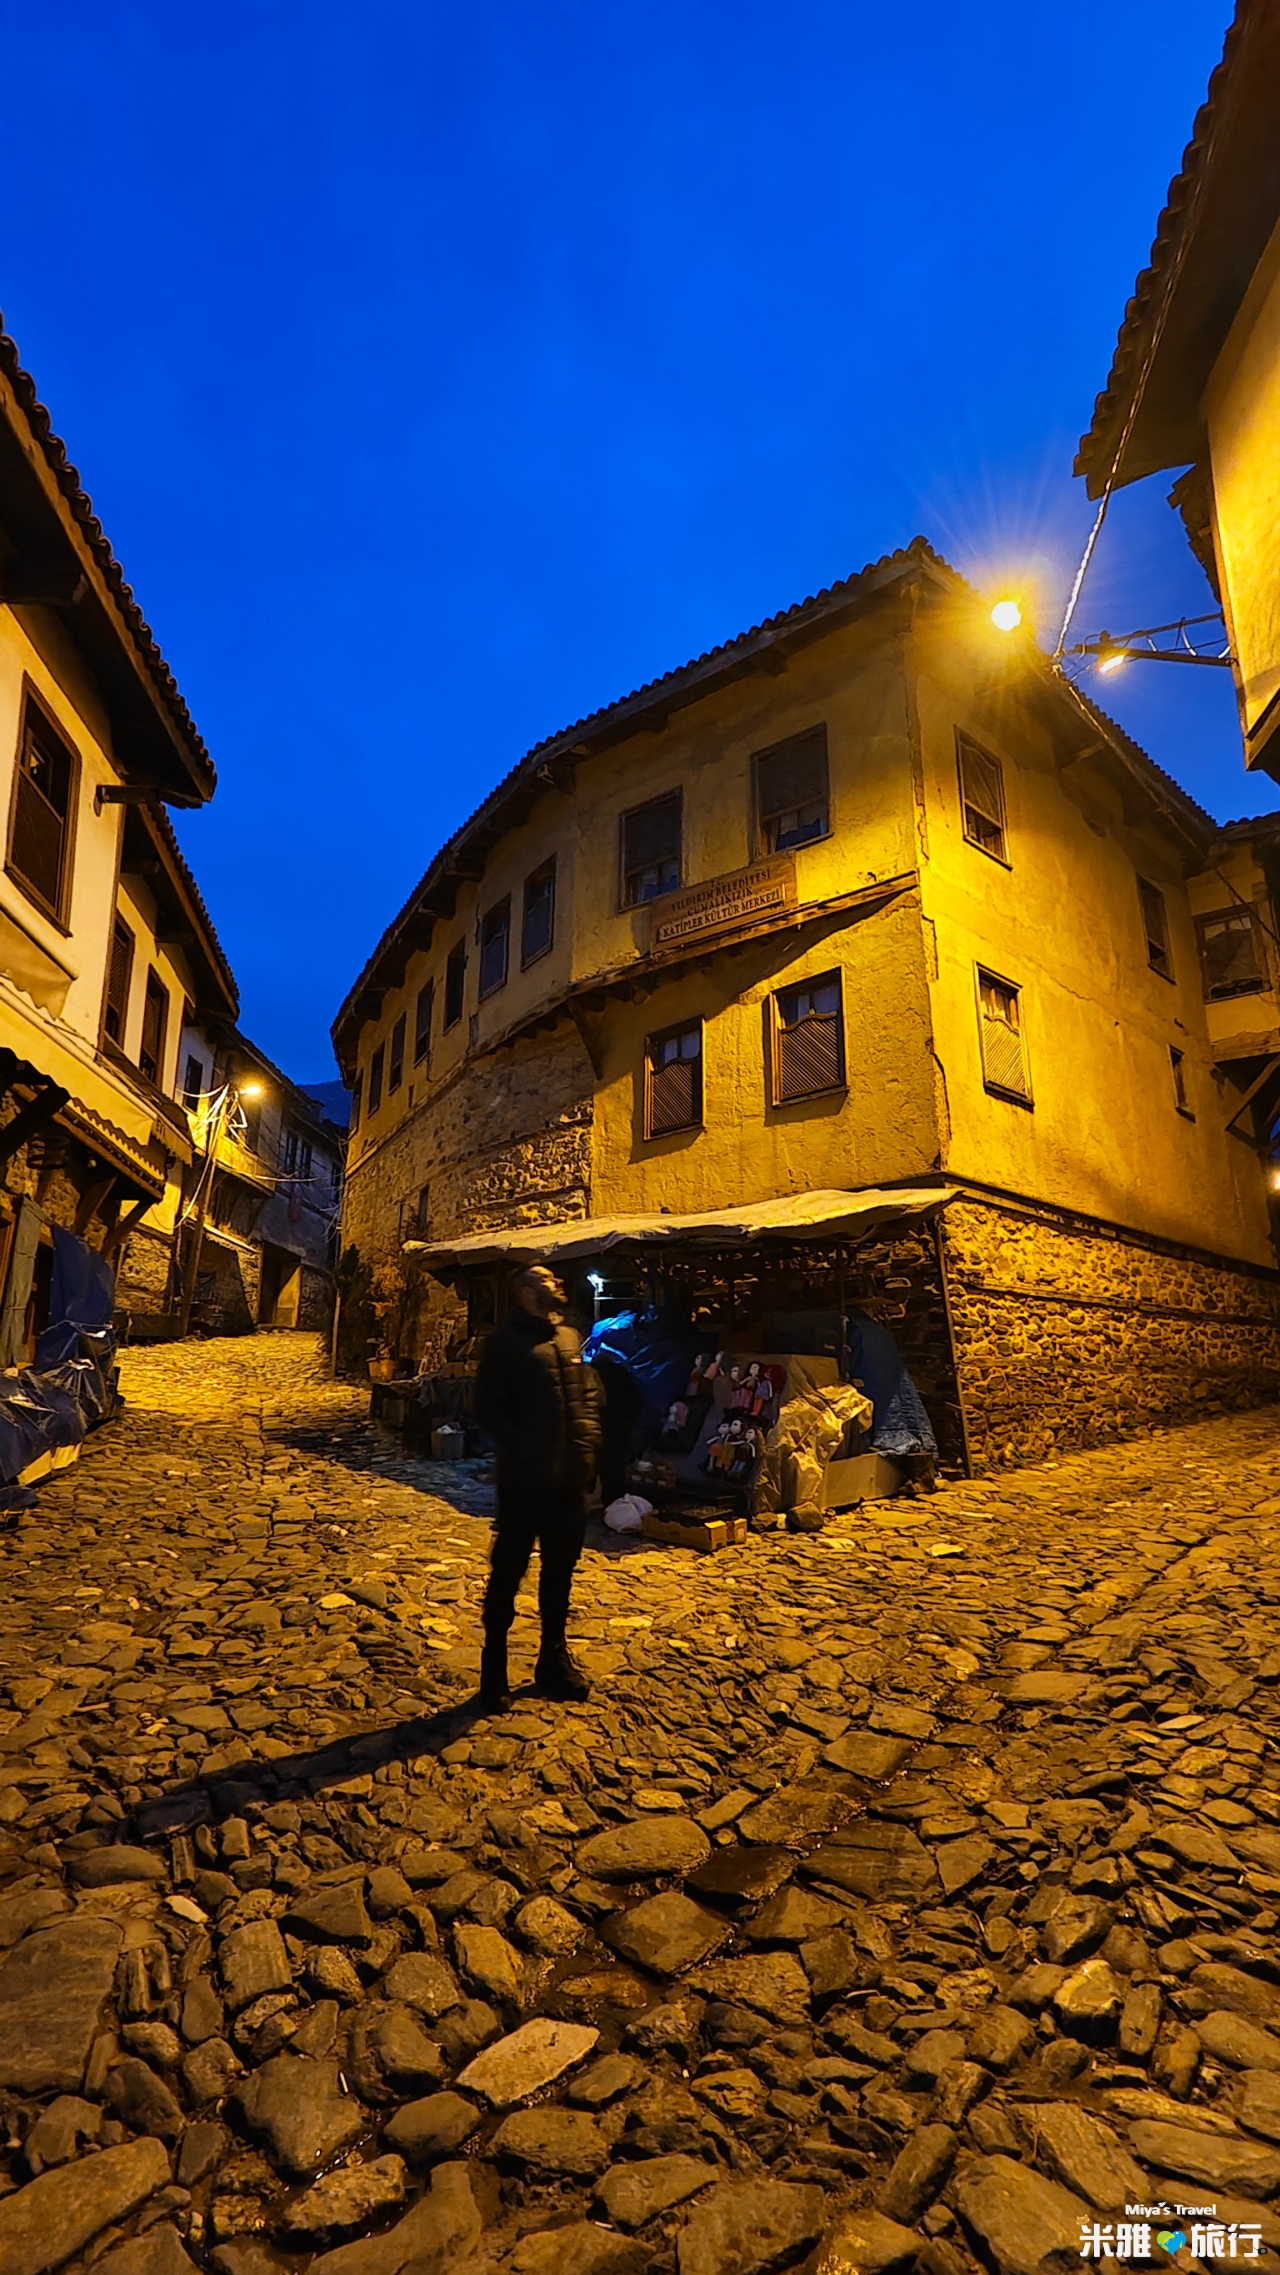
(1242, 414)
(1062, 921)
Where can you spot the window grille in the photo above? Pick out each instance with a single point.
(1004, 1062)
(792, 799)
(808, 1039)
(982, 798)
(673, 1064)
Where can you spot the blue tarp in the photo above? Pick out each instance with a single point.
(656, 1349)
(72, 1385)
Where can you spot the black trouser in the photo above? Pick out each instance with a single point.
(556, 1519)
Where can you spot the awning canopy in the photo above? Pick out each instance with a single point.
(796, 1216)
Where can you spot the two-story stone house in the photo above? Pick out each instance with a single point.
(871, 896)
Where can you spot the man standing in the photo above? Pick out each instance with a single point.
(542, 1406)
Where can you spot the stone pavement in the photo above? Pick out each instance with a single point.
(904, 1896)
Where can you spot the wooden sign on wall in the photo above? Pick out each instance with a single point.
(763, 889)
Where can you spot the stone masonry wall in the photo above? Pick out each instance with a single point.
(143, 1285)
(1067, 1333)
(508, 1142)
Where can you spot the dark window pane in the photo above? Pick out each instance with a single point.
(118, 979)
(1230, 954)
(538, 929)
(455, 974)
(396, 1073)
(1156, 928)
(357, 1101)
(495, 932)
(376, 1065)
(422, 1023)
(193, 1083)
(791, 791)
(155, 1020)
(651, 850)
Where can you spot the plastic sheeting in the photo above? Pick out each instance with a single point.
(808, 1433)
(72, 1386)
(900, 1424)
(830, 1215)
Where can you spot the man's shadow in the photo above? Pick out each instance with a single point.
(227, 1792)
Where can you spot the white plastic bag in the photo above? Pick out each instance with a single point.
(628, 1513)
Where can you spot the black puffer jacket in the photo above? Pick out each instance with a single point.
(540, 1404)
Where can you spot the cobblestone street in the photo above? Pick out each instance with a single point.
(904, 1895)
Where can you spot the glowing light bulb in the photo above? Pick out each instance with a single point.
(1006, 616)
(251, 1090)
(1113, 661)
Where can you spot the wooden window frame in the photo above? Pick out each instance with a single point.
(155, 991)
(766, 844)
(193, 1092)
(455, 961)
(1000, 852)
(34, 708)
(395, 1055)
(545, 869)
(626, 899)
(1157, 939)
(991, 1084)
(1177, 1069)
(1263, 982)
(377, 1072)
(423, 1016)
(493, 926)
(125, 932)
(652, 1042)
(778, 1026)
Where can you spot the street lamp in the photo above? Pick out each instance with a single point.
(217, 1120)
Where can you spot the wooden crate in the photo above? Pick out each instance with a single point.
(704, 1533)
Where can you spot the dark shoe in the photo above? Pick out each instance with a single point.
(495, 1696)
(559, 1676)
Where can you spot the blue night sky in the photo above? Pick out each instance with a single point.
(441, 373)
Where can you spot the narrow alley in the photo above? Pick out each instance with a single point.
(904, 1895)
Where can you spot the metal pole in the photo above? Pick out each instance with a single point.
(192, 1273)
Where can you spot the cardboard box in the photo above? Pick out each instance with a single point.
(705, 1534)
(867, 1477)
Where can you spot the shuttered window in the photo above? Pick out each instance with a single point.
(1231, 954)
(495, 938)
(982, 798)
(1156, 928)
(651, 850)
(376, 1065)
(155, 1022)
(119, 977)
(395, 1072)
(538, 928)
(792, 801)
(808, 1039)
(1004, 1058)
(673, 1080)
(422, 1022)
(455, 979)
(39, 832)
